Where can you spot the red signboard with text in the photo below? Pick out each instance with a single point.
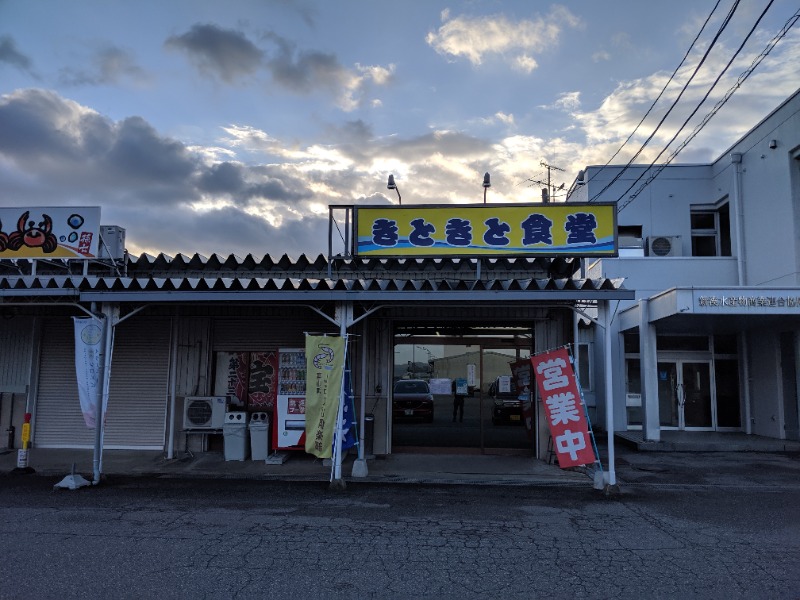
(561, 400)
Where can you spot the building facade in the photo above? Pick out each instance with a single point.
(712, 340)
(184, 327)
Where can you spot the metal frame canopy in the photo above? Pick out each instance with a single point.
(485, 230)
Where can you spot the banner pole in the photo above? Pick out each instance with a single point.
(337, 440)
(98, 419)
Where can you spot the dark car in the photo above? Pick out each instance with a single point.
(412, 400)
(507, 407)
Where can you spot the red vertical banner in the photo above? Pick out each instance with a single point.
(561, 400)
(262, 387)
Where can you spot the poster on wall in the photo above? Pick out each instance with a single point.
(248, 379)
(261, 381)
(521, 370)
(50, 232)
(561, 400)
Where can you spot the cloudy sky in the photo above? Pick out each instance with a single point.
(230, 127)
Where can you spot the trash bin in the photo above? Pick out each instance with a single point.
(234, 432)
(369, 435)
(259, 436)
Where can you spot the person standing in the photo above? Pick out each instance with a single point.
(458, 402)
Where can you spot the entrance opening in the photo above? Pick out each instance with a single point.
(457, 391)
(684, 395)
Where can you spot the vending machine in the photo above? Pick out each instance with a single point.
(290, 408)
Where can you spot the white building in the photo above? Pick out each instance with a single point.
(712, 341)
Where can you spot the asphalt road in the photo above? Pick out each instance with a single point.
(156, 538)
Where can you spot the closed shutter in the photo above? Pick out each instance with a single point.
(59, 422)
(16, 341)
(137, 402)
(256, 334)
(138, 389)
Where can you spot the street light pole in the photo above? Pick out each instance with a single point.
(391, 185)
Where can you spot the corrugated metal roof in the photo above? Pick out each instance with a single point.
(198, 279)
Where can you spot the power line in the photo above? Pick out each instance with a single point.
(741, 79)
(702, 100)
(721, 29)
(664, 89)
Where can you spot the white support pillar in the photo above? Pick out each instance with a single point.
(605, 307)
(648, 352)
(360, 468)
(173, 376)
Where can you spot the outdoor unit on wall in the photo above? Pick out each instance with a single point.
(112, 242)
(203, 412)
(664, 245)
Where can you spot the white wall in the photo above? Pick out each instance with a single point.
(765, 389)
(769, 196)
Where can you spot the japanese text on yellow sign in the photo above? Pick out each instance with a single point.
(493, 230)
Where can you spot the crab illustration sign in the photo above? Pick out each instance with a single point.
(50, 232)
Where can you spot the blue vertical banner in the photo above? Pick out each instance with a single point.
(348, 431)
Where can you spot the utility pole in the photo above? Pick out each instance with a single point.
(550, 191)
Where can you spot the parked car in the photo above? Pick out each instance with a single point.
(412, 400)
(507, 407)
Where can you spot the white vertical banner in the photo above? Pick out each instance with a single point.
(89, 348)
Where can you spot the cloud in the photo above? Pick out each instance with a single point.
(222, 53)
(601, 56)
(10, 55)
(476, 38)
(110, 65)
(499, 117)
(252, 191)
(568, 101)
(55, 152)
(223, 231)
(230, 56)
(306, 71)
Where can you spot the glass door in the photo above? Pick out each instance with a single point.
(696, 395)
(684, 395)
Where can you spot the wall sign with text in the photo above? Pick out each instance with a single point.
(566, 229)
(49, 232)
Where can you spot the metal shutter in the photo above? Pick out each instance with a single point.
(137, 402)
(138, 390)
(16, 342)
(59, 422)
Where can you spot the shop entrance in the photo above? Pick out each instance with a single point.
(459, 392)
(685, 395)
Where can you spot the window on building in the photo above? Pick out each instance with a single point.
(633, 392)
(631, 343)
(683, 343)
(711, 231)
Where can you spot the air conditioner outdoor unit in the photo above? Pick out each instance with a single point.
(112, 242)
(203, 412)
(664, 245)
